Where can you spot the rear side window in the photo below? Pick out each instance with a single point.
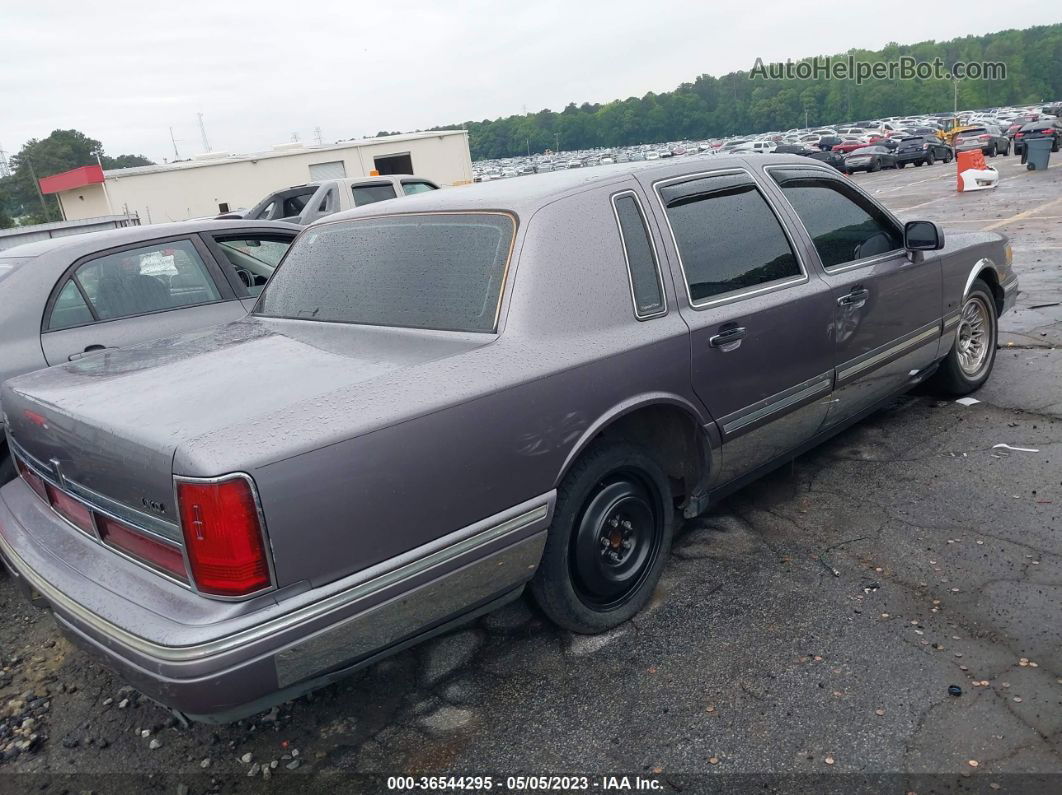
(367, 194)
(69, 309)
(442, 272)
(843, 225)
(152, 278)
(409, 188)
(646, 288)
(728, 238)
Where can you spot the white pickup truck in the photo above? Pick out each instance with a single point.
(303, 204)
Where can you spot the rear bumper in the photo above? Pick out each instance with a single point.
(233, 667)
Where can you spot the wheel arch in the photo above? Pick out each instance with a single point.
(683, 441)
(985, 270)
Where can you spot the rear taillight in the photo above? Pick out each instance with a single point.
(984, 137)
(33, 480)
(1019, 135)
(959, 140)
(71, 510)
(167, 558)
(223, 536)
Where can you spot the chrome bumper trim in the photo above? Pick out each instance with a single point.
(303, 615)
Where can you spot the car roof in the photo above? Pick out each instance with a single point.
(79, 245)
(524, 195)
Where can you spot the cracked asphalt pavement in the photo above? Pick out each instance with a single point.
(814, 622)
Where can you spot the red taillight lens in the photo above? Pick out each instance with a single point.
(71, 510)
(223, 537)
(163, 556)
(33, 480)
(1019, 135)
(984, 137)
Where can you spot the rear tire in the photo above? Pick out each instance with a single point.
(900, 164)
(609, 539)
(949, 156)
(971, 358)
(929, 158)
(993, 151)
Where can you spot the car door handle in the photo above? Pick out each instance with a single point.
(727, 337)
(89, 350)
(856, 298)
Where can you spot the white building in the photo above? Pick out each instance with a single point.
(218, 182)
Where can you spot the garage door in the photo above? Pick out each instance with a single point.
(333, 170)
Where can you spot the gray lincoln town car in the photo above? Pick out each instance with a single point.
(437, 402)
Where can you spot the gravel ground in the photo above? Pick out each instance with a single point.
(813, 623)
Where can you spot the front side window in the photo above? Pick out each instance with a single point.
(443, 272)
(409, 188)
(728, 238)
(367, 194)
(149, 279)
(843, 226)
(254, 258)
(641, 259)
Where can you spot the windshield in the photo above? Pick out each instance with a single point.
(442, 272)
(8, 266)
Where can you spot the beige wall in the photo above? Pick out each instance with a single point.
(89, 201)
(181, 193)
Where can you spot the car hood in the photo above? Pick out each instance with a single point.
(115, 421)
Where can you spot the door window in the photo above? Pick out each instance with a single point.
(153, 278)
(254, 258)
(409, 188)
(843, 225)
(367, 194)
(728, 238)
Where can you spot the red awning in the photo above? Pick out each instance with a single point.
(74, 178)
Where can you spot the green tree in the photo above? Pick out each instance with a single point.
(61, 151)
(734, 103)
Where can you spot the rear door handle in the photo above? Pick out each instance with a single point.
(726, 339)
(856, 298)
(89, 350)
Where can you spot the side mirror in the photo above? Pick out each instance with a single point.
(922, 236)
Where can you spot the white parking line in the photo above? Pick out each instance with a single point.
(1021, 216)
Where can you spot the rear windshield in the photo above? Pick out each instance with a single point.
(429, 271)
(8, 266)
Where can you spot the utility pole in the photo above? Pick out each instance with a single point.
(317, 135)
(955, 95)
(37, 185)
(295, 137)
(805, 117)
(202, 132)
(529, 147)
(556, 138)
(5, 169)
(176, 154)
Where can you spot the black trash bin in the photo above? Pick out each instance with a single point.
(1036, 153)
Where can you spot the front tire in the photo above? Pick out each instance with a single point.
(609, 539)
(973, 354)
(875, 165)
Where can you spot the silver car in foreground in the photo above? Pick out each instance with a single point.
(71, 297)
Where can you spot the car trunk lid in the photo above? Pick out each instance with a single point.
(112, 423)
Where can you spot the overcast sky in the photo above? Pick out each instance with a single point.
(125, 72)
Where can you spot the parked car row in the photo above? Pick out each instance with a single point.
(996, 131)
(399, 435)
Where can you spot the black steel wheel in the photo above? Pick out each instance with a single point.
(608, 541)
